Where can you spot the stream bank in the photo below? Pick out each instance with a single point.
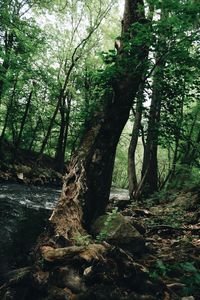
(27, 167)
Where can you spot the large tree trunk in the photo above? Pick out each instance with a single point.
(90, 172)
(149, 182)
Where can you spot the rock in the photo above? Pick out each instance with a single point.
(120, 202)
(138, 226)
(26, 170)
(189, 201)
(117, 230)
(23, 169)
(20, 176)
(66, 277)
(188, 298)
(37, 181)
(87, 271)
(142, 212)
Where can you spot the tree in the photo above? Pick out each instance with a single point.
(171, 40)
(73, 53)
(90, 172)
(20, 41)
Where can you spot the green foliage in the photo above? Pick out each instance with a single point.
(33, 48)
(82, 240)
(185, 178)
(120, 177)
(190, 275)
(159, 270)
(108, 225)
(74, 58)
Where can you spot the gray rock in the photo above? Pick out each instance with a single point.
(117, 230)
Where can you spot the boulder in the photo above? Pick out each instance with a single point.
(117, 230)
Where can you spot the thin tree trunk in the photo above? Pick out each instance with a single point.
(134, 187)
(59, 147)
(9, 108)
(189, 158)
(34, 133)
(65, 141)
(132, 176)
(177, 136)
(8, 44)
(186, 157)
(24, 120)
(46, 138)
(63, 134)
(150, 163)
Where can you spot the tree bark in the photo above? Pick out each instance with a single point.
(132, 176)
(150, 164)
(9, 108)
(86, 187)
(63, 134)
(8, 44)
(24, 120)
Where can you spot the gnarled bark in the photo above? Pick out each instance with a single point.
(90, 171)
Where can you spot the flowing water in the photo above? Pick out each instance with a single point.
(24, 211)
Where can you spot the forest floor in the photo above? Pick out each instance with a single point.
(172, 233)
(162, 261)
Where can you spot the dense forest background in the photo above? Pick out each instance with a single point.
(57, 58)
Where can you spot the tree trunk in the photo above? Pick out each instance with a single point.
(46, 138)
(90, 171)
(35, 133)
(150, 164)
(23, 120)
(63, 134)
(9, 108)
(8, 44)
(132, 176)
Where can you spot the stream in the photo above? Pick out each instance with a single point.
(24, 211)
